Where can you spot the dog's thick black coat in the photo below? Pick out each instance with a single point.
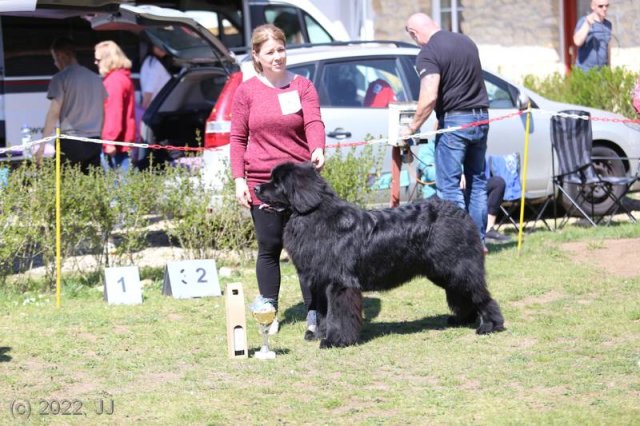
(340, 250)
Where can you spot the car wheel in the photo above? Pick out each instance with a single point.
(598, 201)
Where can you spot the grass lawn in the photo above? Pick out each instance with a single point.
(571, 354)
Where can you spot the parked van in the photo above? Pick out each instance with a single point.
(233, 20)
(26, 66)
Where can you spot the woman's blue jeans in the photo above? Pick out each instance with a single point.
(119, 161)
(463, 151)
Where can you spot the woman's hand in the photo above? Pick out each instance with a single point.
(109, 149)
(463, 182)
(242, 193)
(317, 158)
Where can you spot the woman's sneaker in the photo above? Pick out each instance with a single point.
(274, 327)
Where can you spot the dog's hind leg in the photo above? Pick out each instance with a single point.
(343, 322)
(464, 312)
(469, 299)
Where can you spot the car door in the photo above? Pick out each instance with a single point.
(508, 135)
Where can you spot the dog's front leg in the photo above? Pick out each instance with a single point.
(343, 322)
(319, 303)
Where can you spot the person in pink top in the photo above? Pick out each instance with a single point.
(119, 107)
(275, 118)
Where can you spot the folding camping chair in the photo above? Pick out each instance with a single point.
(576, 177)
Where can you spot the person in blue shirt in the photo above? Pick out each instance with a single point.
(592, 36)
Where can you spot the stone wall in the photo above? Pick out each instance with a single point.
(391, 17)
(514, 37)
(512, 22)
(625, 18)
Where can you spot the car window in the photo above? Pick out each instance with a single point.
(502, 95)
(219, 25)
(288, 20)
(413, 80)
(222, 17)
(317, 33)
(499, 98)
(285, 18)
(365, 83)
(307, 71)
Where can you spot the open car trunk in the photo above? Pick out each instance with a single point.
(200, 65)
(177, 115)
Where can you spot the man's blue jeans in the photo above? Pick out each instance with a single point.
(464, 150)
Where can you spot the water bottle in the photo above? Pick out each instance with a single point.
(25, 136)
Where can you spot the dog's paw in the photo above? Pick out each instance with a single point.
(487, 328)
(310, 336)
(325, 344)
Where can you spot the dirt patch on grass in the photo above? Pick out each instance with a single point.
(615, 257)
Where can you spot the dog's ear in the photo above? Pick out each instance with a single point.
(304, 188)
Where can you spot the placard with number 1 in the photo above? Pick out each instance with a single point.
(122, 285)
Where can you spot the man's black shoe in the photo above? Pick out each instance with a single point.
(494, 235)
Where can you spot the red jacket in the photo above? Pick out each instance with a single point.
(119, 108)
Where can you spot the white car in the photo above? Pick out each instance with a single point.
(356, 81)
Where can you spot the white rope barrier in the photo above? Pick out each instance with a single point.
(415, 136)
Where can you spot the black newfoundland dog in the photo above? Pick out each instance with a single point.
(341, 250)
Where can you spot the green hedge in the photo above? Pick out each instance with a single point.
(113, 218)
(604, 88)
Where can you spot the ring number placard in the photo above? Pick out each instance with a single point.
(187, 279)
(122, 285)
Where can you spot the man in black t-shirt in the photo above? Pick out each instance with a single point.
(451, 83)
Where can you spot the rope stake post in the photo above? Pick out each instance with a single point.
(395, 176)
(523, 183)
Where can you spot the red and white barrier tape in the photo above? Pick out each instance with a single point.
(422, 135)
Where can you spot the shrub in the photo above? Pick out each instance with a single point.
(348, 171)
(134, 205)
(100, 207)
(603, 88)
(200, 220)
